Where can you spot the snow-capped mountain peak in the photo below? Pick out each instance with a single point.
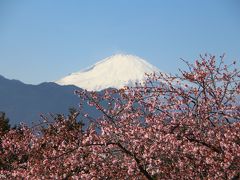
(115, 71)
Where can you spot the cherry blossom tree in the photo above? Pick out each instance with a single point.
(171, 127)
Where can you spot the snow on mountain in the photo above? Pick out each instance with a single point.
(115, 71)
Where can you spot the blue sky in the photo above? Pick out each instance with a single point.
(48, 39)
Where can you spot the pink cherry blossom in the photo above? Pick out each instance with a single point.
(172, 127)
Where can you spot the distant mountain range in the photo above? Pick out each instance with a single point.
(25, 103)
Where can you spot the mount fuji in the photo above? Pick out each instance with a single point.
(25, 102)
(115, 71)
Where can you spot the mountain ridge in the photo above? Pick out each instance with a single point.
(26, 102)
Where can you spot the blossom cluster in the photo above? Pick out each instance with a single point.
(172, 127)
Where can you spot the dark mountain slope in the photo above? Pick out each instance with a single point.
(24, 103)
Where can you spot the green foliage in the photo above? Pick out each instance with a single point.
(4, 123)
